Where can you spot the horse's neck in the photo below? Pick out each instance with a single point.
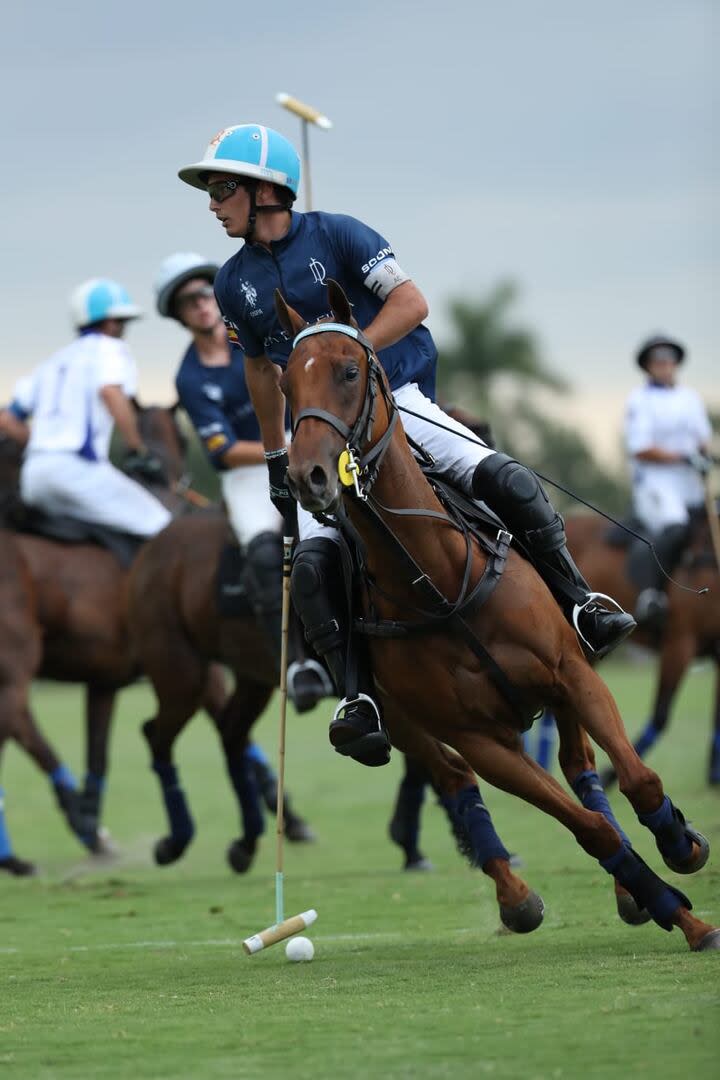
(435, 546)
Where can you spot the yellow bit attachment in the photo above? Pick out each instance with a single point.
(347, 468)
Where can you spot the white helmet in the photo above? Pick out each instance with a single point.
(98, 299)
(175, 271)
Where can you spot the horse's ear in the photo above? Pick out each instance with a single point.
(291, 322)
(340, 304)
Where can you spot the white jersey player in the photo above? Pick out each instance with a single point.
(75, 398)
(667, 437)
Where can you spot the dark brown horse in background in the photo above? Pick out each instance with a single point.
(692, 625)
(434, 681)
(62, 617)
(179, 633)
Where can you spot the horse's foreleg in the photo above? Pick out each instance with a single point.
(240, 713)
(404, 827)
(577, 761)
(508, 767)
(683, 849)
(99, 704)
(9, 862)
(521, 909)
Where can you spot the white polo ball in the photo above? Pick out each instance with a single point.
(299, 949)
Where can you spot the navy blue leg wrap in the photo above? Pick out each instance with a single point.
(62, 776)
(5, 845)
(668, 827)
(242, 775)
(182, 826)
(714, 773)
(647, 738)
(406, 820)
(475, 817)
(590, 792)
(647, 889)
(546, 739)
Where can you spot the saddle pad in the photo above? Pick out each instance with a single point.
(68, 530)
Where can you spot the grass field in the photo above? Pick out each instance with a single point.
(125, 970)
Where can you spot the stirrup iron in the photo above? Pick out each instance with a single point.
(346, 701)
(579, 608)
(298, 666)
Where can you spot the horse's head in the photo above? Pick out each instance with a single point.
(338, 398)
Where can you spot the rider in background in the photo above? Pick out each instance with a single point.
(667, 436)
(252, 174)
(212, 389)
(75, 398)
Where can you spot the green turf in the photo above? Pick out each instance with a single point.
(124, 970)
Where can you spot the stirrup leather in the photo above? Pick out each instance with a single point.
(579, 608)
(298, 666)
(342, 705)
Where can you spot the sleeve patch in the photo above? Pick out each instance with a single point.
(215, 442)
(384, 277)
(232, 330)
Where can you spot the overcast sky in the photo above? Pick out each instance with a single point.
(567, 144)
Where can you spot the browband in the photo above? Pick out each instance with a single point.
(338, 328)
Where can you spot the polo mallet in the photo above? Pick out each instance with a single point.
(282, 928)
(712, 516)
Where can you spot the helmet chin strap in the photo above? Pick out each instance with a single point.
(265, 208)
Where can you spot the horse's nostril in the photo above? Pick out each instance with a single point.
(318, 478)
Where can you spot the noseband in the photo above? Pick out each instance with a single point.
(356, 467)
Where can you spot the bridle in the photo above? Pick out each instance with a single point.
(355, 468)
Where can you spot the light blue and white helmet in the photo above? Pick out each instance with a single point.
(175, 271)
(247, 150)
(98, 299)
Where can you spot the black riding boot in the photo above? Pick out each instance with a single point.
(307, 682)
(319, 594)
(515, 494)
(652, 602)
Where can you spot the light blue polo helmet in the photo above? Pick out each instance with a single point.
(248, 150)
(98, 299)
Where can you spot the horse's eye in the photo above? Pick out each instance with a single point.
(351, 374)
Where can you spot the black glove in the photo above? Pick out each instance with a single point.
(144, 466)
(280, 497)
(700, 462)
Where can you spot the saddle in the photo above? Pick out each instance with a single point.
(69, 530)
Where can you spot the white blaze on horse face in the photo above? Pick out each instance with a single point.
(309, 363)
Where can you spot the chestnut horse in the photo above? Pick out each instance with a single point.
(438, 680)
(691, 628)
(179, 632)
(62, 616)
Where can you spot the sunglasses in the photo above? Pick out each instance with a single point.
(220, 190)
(204, 292)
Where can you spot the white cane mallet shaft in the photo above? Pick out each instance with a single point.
(280, 816)
(280, 932)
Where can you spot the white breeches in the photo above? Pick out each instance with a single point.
(94, 491)
(457, 457)
(247, 496)
(659, 504)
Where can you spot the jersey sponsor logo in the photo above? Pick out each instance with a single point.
(212, 391)
(215, 442)
(318, 271)
(382, 254)
(232, 330)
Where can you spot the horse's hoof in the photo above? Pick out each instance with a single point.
(168, 850)
(697, 860)
(418, 862)
(240, 854)
(17, 867)
(298, 831)
(104, 846)
(629, 911)
(709, 942)
(524, 918)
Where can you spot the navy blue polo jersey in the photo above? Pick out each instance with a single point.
(217, 401)
(319, 246)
